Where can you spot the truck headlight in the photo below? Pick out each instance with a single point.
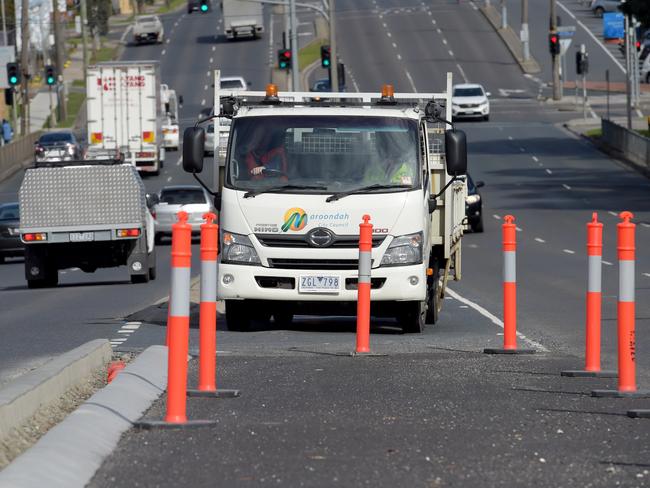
(472, 199)
(404, 250)
(238, 249)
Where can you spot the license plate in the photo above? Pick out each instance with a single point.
(319, 284)
(82, 236)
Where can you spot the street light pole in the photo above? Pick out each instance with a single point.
(334, 59)
(557, 94)
(628, 78)
(24, 65)
(525, 37)
(4, 23)
(295, 65)
(504, 15)
(84, 35)
(59, 48)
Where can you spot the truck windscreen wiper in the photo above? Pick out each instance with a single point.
(282, 188)
(363, 189)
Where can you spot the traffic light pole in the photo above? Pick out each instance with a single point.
(295, 64)
(24, 66)
(84, 35)
(334, 60)
(557, 89)
(628, 77)
(59, 57)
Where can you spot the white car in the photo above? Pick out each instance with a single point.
(170, 131)
(645, 70)
(224, 132)
(148, 28)
(233, 83)
(470, 100)
(192, 199)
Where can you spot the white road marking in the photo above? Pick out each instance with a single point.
(168, 41)
(433, 21)
(203, 102)
(399, 56)
(410, 78)
(498, 217)
(169, 178)
(384, 24)
(451, 53)
(549, 171)
(162, 53)
(521, 149)
(444, 41)
(208, 74)
(519, 229)
(540, 240)
(647, 275)
(473, 5)
(495, 320)
(180, 161)
(211, 60)
(395, 45)
(510, 138)
(535, 159)
(613, 213)
(125, 331)
(566, 186)
(389, 34)
(205, 87)
(607, 263)
(645, 224)
(462, 72)
(438, 30)
(568, 251)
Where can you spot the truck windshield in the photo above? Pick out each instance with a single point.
(326, 153)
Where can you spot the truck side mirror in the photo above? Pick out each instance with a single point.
(193, 149)
(180, 100)
(456, 152)
(152, 200)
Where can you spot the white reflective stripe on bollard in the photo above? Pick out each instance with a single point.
(365, 263)
(626, 281)
(180, 300)
(209, 281)
(509, 266)
(595, 271)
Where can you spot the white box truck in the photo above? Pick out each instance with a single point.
(124, 113)
(242, 18)
(296, 182)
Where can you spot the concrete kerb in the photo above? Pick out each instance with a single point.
(20, 399)
(306, 73)
(510, 39)
(69, 455)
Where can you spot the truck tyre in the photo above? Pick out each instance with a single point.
(283, 318)
(413, 317)
(238, 316)
(152, 272)
(50, 280)
(434, 300)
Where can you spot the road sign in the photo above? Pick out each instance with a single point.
(614, 25)
(567, 31)
(564, 45)
(7, 55)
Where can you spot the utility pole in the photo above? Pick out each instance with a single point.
(525, 36)
(628, 77)
(24, 65)
(4, 23)
(295, 65)
(334, 66)
(286, 39)
(557, 93)
(504, 15)
(59, 47)
(84, 35)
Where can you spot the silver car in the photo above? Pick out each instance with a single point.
(190, 198)
(148, 28)
(599, 7)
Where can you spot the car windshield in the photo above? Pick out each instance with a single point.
(182, 196)
(231, 84)
(9, 212)
(468, 92)
(327, 153)
(55, 137)
(144, 20)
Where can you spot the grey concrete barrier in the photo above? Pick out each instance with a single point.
(632, 145)
(14, 155)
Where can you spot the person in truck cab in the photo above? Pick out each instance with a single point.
(267, 157)
(390, 165)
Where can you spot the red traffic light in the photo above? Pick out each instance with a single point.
(287, 54)
(554, 39)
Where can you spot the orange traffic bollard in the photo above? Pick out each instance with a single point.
(626, 314)
(208, 313)
(594, 301)
(363, 286)
(178, 333)
(509, 230)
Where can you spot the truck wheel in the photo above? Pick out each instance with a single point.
(413, 317)
(283, 318)
(2, 258)
(434, 300)
(50, 280)
(238, 316)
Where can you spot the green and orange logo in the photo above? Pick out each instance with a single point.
(294, 219)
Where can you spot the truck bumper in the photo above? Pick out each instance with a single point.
(399, 283)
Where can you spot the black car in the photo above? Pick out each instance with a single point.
(58, 145)
(193, 5)
(324, 86)
(474, 205)
(10, 243)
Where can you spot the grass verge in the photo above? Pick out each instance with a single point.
(309, 53)
(106, 53)
(594, 133)
(173, 5)
(75, 100)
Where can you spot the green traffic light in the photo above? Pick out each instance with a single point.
(50, 80)
(13, 80)
(326, 62)
(283, 65)
(204, 8)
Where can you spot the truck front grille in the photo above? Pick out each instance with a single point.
(347, 242)
(316, 264)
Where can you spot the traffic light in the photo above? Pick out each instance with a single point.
(325, 56)
(50, 75)
(284, 58)
(554, 43)
(13, 74)
(582, 63)
(204, 6)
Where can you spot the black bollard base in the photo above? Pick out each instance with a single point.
(213, 393)
(498, 350)
(620, 394)
(162, 425)
(639, 414)
(589, 374)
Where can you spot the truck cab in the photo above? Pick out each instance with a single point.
(297, 179)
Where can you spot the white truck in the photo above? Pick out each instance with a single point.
(296, 182)
(124, 113)
(242, 18)
(85, 214)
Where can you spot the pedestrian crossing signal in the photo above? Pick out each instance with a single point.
(13, 74)
(284, 58)
(50, 75)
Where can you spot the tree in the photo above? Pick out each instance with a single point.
(98, 13)
(639, 8)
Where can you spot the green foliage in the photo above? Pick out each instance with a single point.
(98, 13)
(639, 8)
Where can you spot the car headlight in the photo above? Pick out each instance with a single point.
(472, 199)
(238, 249)
(404, 250)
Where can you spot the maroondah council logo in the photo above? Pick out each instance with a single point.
(294, 219)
